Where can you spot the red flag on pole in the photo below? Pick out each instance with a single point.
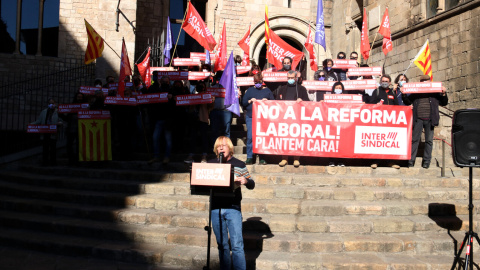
(125, 69)
(384, 30)
(244, 43)
(278, 49)
(197, 29)
(365, 43)
(221, 54)
(311, 51)
(144, 69)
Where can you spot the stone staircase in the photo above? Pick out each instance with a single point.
(311, 217)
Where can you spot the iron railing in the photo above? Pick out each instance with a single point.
(23, 96)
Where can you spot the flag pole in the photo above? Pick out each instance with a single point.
(375, 38)
(136, 62)
(178, 37)
(112, 48)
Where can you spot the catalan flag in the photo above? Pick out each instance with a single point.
(423, 60)
(267, 26)
(94, 140)
(94, 46)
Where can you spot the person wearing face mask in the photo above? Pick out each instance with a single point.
(254, 93)
(49, 116)
(291, 91)
(317, 95)
(341, 73)
(400, 80)
(330, 74)
(337, 89)
(109, 80)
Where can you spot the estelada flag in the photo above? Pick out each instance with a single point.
(221, 54)
(267, 26)
(94, 46)
(365, 43)
(423, 60)
(384, 30)
(144, 69)
(278, 49)
(311, 51)
(197, 29)
(94, 140)
(125, 69)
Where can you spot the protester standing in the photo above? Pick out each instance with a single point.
(49, 116)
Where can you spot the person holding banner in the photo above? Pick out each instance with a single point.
(399, 81)
(384, 94)
(227, 211)
(292, 91)
(49, 116)
(330, 74)
(337, 89)
(254, 93)
(425, 117)
(342, 74)
(318, 76)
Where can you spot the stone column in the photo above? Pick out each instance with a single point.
(40, 27)
(19, 27)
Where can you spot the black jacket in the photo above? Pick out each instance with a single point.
(436, 99)
(379, 94)
(280, 93)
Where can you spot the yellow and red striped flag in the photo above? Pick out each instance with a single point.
(267, 26)
(423, 60)
(94, 140)
(94, 46)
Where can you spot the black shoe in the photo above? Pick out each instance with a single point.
(410, 165)
(262, 162)
(249, 161)
(425, 166)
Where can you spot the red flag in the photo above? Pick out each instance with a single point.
(245, 59)
(385, 32)
(278, 49)
(244, 43)
(125, 69)
(221, 54)
(144, 69)
(365, 43)
(197, 29)
(311, 51)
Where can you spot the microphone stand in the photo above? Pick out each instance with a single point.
(209, 227)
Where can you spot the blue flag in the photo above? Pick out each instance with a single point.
(168, 43)
(229, 82)
(320, 29)
(207, 57)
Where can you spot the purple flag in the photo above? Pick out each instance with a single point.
(320, 27)
(229, 82)
(168, 43)
(207, 58)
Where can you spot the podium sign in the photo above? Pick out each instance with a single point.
(211, 174)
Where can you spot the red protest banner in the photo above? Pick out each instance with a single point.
(197, 29)
(245, 81)
(243, 69)
(186, 62)
(174, 75)
(201, 56)
(332, 130)
(344, 63)
(216, 92)
(198, 75)
(422, 87)
(152, 98)
(359, 84)
(343, 98)
(318, 85)
(275, 76)
(364, 71)
(183, 100)
(42, 129)
(90, 90)
(94, 114)
(152, 69)
(72, 108)
(126, 101)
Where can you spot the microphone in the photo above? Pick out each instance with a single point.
(220, 157)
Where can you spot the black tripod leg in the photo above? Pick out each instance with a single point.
(457, 259)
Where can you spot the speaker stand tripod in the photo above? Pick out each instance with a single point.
(467, 263)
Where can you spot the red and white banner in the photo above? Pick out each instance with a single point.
(318, 85)
(422, 87)
(144, 69)
(174, 75)
(210, 174)
(178, 62)
(384, 30)
(152, 98)
(201, 56)
(152, 69)
(126, 101)
(216, 92)
(42, 129)
(275, 76)
(344, 63)
(72, 108)
(90, 90)
(94, 114)
(343, 98)
(359, 84)
(272, 69)
(183, 100)
(197, 29)
(245, 81)
(365, 71)
(332, 130)
(198, 75)
(243, 69)
(311, 51)
(278, 49)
